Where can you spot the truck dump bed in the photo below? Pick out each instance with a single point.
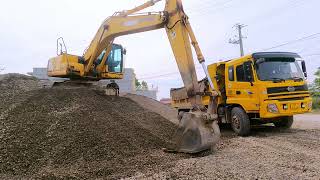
(179, 96)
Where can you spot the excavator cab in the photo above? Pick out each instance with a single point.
(114, 61)
(71, 66)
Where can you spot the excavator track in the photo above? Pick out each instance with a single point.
(73, 84)
(111, 89)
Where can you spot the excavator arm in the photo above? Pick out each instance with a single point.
(198, 129)
(178, 29)
(116, 26)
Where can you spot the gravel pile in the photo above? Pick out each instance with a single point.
(155, 106)
(17, 83)
(14, 89)
(80, 133)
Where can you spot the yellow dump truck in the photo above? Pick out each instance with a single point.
(260, 88)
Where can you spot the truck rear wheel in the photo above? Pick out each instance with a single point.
(284, 122)
(240, 121)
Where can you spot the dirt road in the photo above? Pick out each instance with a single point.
(307, 121)
(269, 153)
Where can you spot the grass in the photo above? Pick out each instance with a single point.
(316, 103)
(315, 111)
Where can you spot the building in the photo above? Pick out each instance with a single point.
(127, 84)
(41, 74)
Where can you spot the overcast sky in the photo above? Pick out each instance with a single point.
(29, 30)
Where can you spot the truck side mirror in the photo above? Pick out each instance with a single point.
(124, 51)
(304, 68)
(248, 71)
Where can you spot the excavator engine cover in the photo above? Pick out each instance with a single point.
(195, 134)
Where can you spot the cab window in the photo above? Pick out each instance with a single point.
(231, 73)
(115, 59)
(240, 73)
(244, 74)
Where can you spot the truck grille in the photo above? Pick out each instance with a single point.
(288, 93)
(287, 89)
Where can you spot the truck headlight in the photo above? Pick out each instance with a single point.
(310, 105)
(272, 108)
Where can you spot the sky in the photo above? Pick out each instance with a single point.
(29, 30)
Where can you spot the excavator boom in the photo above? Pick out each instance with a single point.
(198, 129)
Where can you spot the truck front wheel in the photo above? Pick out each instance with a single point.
(284, 122)
(240, 121)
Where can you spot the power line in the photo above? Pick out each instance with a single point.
(163, 75)
(291, 4)
(208, 6)
(207, 10)
(291, 42)
(309, 55)
(287, 43)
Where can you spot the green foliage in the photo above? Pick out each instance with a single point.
(138, 84)
(317, 80)
(315, 91)
(316, 103)
(144, 85)
(141, 85)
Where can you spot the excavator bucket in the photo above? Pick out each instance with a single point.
(112, 89)
(195, 134)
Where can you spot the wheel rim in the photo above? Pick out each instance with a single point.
(235, 122)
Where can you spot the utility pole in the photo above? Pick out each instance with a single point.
(238, 39)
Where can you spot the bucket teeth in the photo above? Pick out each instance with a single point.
(194, 134)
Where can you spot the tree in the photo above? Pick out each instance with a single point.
(315, 90)
(317, 80)
(138, 84)
(144, 85)
(315, 87)
(141, 85)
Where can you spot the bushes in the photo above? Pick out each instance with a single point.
(316, 102)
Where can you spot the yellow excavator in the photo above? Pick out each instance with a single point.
(198, 129)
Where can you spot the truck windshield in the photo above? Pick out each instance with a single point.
(278, 69)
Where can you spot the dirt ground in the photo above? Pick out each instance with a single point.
(268, 153)
(307, 121)
(83, 134)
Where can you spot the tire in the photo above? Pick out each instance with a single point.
(240, 121)
(284, 122)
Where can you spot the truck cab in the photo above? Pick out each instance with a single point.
(260, 88)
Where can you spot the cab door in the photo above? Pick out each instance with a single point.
(115, 59)
(241, 88)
